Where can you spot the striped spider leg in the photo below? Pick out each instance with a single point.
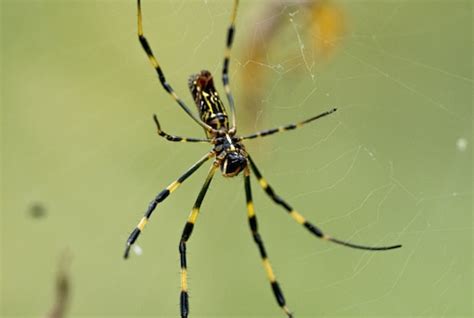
(252, 219)
(188, 229)
(160, 198)
(161, 76)
(272, 131)
(300, 219)
(225, 67)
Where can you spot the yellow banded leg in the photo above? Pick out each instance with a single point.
(301, 220)
(252, 218)
(159, 198)
(161, 76)
(272, 131)
(225, 68)
(188, 229)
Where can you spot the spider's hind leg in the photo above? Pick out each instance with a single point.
(252, 218)
(300, 219)
(188, 229)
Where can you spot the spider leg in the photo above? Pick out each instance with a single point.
(161, 197)
(188, 229)
(252, 218)
(225, 68)
(302, 220)
(176, 138)
(154, 62)
(267, 132)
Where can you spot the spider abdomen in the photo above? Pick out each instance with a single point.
(205, 96)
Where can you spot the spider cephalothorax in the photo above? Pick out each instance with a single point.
(230, 155)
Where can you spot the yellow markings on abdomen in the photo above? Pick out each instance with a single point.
(263, 183)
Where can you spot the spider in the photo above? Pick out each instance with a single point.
(229, 155)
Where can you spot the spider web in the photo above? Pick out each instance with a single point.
(392, 165)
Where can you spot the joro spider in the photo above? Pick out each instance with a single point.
(229, 155)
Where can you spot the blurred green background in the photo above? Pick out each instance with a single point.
(393, 165)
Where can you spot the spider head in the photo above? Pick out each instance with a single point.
(234, 162)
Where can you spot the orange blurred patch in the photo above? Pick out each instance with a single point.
(324, 25)
(327, 25)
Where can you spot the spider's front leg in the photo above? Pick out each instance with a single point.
(225, 67)
(161, 197)
(272, 131)
(161, 75)
(169, 137)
